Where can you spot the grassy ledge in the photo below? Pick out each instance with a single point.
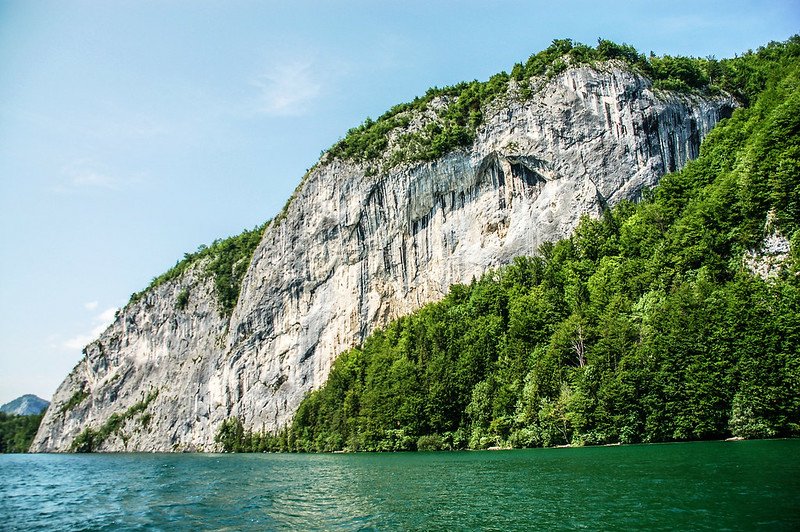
(89, 440)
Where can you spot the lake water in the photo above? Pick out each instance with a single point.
(714, 485)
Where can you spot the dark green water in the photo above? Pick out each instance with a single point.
(712, 485)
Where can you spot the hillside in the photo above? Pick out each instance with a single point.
(673, 318)
(430, 195)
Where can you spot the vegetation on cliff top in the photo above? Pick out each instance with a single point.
(643, 326)
(461, 107)
(225, 260)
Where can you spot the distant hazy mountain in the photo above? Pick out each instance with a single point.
(27, 405)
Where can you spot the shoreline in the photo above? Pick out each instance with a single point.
(495, 448)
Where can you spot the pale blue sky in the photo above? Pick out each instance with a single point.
(133, 131)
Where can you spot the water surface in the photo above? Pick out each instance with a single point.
(711, 485)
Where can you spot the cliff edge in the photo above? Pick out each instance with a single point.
(363, 242)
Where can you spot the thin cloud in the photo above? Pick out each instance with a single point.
(107, 316)
(91, 305)
(100, 323)
(91, 178)
(79, 342)
(686, 22)
(85, 174)
(287, 89)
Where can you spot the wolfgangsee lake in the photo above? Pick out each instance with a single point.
(708, 485)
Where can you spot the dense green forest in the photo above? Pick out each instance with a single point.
(645, 325)
(17, 432)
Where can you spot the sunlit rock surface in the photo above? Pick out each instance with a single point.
(354, 251)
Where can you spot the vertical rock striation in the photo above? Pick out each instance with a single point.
(354, 251)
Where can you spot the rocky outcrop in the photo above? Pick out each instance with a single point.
(771, 256)
(154, 350)
(356, 249)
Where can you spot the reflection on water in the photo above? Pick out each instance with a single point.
(696, 485)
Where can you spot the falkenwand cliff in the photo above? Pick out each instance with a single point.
(357, 248)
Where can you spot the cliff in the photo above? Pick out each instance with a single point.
(364, 242)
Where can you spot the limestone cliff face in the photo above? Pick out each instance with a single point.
(356, 249)
(153, 349)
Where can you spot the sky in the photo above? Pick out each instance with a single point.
(131, 132)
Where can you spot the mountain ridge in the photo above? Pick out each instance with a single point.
(668, 319)
(25, 405)
(586, 139)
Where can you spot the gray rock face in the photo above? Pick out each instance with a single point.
(152, 346)
(771, 256)
(355, 251)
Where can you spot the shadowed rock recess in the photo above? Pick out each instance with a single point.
(358, 247)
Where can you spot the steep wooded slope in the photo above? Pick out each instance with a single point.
(367, 239)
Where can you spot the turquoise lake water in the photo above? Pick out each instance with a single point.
(708, 485)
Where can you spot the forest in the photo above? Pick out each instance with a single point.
(648, 324)
(17, 432)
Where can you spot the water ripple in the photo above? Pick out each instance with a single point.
(705, 485)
